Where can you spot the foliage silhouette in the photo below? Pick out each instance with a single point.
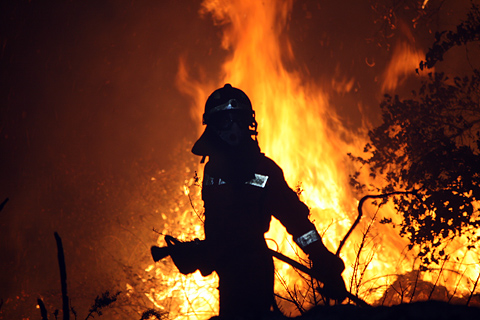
(101, 302)
(466, 32)
(429, 145)
(149, 314)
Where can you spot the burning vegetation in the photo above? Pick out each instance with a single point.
(416, 241)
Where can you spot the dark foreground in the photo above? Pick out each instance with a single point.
(428, 310)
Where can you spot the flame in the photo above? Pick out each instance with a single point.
(300, 130)
(404, 61)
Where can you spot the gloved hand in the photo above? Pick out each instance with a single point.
(328, 268)
(189, 256)
(334, 288)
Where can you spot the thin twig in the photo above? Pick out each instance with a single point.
(43, 310)
(460, 263)
(3, 204)
(456, 287)
(157, 232)
(473, 290)
(196, 183)
(293, 298)
(199, 216)
(368, 260)
(415, 285)
(436, 281)
(63, 277)
(311, 273)
(360, 212)
(357, 259)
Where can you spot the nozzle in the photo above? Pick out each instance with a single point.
(158, 253)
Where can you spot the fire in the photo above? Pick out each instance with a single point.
(404, 60)
(300, 130)
(402, 64)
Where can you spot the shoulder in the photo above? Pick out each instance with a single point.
(268, 166)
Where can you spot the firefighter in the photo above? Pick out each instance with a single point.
(242, 189)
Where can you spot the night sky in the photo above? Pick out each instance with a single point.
(90, 112)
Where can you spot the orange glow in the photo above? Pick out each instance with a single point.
(299, 129)
(404, 60)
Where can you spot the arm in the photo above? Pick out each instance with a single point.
(293, 214)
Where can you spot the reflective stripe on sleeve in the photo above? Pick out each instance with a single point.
(308, 238)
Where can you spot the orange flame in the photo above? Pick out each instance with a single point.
(404, 61)
(300, 130)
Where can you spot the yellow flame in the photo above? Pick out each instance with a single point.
(300, 130)
(298, 127)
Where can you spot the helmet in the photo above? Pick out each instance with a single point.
(229, 117)
(229, 98)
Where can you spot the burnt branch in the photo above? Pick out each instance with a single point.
(63, 277)
(473, 290)
(43, 310)
(3, 204)
(436, 280)
(101, 302)
(360, 212)
(152, 313)
(357, 279)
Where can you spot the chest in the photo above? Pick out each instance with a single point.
(219, 194)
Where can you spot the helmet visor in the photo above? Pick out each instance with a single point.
(224, 120)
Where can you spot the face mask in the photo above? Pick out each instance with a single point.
(232, 127)
(233, 136)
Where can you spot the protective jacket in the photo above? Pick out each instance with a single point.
(242, 195)
(242, 190)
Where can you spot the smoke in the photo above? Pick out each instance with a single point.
(89, 114)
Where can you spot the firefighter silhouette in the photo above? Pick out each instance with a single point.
(242, 189)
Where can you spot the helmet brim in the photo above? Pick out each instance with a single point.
(203, 146)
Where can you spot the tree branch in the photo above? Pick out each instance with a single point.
(360, 212)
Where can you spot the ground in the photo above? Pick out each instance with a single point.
(428, 310)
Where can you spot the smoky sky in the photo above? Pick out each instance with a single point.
(90, 112)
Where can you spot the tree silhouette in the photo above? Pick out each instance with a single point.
(430, 145)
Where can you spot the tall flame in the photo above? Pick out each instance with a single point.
(298, 127)
(300, 130)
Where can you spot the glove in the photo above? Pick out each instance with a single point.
(189, 256)
(334, 288)
(328, 268)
